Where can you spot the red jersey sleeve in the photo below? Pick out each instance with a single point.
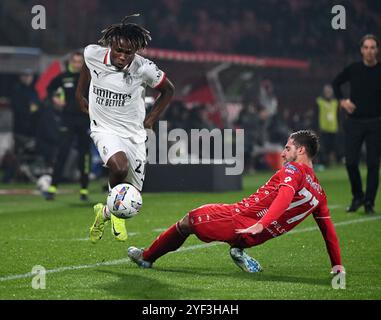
(278, 206)
(289, 179)
(327, 229)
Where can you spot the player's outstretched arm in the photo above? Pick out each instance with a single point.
(82, 89)
(328, 231)
(167, 90)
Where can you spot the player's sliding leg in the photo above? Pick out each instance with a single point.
(244, 261)
(211, 222)
(170, 240)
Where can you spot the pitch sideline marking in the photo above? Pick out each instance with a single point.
(62, 269)
(199, 246)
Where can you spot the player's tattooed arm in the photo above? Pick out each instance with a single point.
(82, 89)
(167, 91)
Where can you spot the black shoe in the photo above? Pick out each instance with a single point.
(356, 203)
(369, 208)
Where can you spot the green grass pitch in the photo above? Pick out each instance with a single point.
(296, 265)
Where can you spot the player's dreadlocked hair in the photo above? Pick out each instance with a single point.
(136, 35)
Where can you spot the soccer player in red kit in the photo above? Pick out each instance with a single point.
(289, 197)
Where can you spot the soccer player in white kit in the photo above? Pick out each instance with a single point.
(115, 78)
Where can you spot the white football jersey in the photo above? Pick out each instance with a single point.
(116, 97)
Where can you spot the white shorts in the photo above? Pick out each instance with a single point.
(108, 145)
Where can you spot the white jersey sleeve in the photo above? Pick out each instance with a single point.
(152, 75)
(94, 54)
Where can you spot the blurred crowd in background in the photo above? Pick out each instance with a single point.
(278, 28)
(296, 28)
(266, 125)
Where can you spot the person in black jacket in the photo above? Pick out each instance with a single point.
(25, 106)
(48, 134)
(74, 125)
(363, 121)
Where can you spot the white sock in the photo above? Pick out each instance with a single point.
(106, 213)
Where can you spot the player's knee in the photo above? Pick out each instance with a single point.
(184, 225)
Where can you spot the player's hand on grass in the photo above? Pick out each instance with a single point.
(348, 105)
(254, 229)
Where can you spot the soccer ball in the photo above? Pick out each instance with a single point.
(124, 201)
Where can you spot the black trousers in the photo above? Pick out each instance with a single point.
(358, 131)
(328, 144)
(68, 135)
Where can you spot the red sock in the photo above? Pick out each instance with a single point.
(169, 240)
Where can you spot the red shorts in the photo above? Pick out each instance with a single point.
(213, 222)
(218, 222)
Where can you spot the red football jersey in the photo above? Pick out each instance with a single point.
(309, 198)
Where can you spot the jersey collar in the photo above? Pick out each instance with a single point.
(107, 59)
